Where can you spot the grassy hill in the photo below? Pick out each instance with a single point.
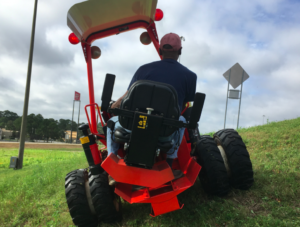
(35, 196)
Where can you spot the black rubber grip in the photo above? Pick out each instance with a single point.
(84, 128)
(87, 150)
(108, 88)
(197, 110)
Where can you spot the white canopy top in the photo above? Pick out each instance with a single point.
(92, 16)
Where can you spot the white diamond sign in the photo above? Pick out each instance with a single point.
(236, 74)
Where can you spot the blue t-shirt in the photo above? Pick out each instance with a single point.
(171, 72)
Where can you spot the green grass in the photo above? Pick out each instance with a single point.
(34, 196)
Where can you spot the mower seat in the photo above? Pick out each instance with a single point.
(147, 127)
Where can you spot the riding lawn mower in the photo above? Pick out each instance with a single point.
(149, 110)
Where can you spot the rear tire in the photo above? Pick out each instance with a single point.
(77, 199)
(241, 173)
(103, 198)
(213, 175)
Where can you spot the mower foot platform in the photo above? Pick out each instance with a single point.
(120, 172)
(160, 188)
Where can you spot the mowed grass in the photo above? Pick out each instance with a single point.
(35, 195)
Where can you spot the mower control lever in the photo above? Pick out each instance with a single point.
(84, 128)
(108, 88)
(197, 110)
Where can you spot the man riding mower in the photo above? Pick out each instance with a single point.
(151, 132)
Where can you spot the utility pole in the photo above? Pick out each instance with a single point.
(27, 91)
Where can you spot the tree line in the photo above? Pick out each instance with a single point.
(38, 127)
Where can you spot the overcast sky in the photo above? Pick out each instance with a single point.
(263, 36)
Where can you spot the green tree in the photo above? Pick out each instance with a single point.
(63, 125)
(49, 129)
(74, 126)
(5, 117)
(31, 126)
(3, 122)
(38, 121)
(18, 123)
(10, 125)
(10, 116)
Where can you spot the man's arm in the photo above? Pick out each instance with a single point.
(134, 79)
(118, 102)
(191, 89)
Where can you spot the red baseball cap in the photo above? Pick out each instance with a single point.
(173, 40)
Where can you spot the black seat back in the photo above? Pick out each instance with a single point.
(149, 94)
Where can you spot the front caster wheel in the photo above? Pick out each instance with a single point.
(77, 199)
(106, 202)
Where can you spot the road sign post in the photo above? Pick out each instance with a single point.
(235, 76)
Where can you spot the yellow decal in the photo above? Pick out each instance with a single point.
(142, 122)
(84, 140)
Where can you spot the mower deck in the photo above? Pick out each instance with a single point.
(160, 187)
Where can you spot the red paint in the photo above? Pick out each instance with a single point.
(159, 189)
(165, 207)
(95, 154)
(93, 131)
(117, 169)
(154, 37)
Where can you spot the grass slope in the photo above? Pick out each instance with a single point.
(35, 196)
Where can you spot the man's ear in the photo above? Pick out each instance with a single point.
(179, 51)
(160, 52)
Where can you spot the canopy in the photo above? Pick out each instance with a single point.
(93, 16)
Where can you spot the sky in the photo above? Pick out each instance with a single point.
(261, 35)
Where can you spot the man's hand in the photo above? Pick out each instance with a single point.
(115, 105)
(118, 102)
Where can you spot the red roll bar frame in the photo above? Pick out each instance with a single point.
(86, 47)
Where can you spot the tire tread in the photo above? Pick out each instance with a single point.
(238, 158)
(102, 197)
(76, 199)
(213, 175)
